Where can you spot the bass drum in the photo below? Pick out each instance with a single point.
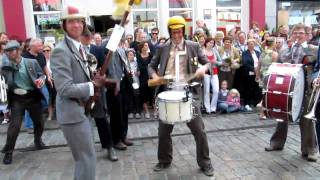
(284, 92)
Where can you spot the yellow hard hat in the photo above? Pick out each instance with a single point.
(176, 22)
(72, 12)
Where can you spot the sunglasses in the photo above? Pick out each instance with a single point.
(46, 50)
(155, 33)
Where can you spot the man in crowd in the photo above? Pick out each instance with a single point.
(241, 43)
(4, 37)
(153, 42)
(97, 39)
(164, 58)
(75, 86)
(24, 78)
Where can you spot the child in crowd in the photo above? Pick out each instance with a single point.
(228, 101)
(134, 95)
(222, 97)
(233, 101)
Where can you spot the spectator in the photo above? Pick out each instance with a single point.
(232, 103)
(162, 40)
(222, 97)
(134, 94)
(143, 58)
(129, 38)
(211, 81)
(201, 24)
(218, 39)
(52, 92)
(250, 61)
(97, 39)
(241, 42)
(137, 38)
(4, 37)
(153, 42)
(230, 61)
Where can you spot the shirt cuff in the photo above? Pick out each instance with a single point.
(91, 88)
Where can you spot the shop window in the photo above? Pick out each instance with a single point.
(146, 4)
(228, 3)
(46, 5)
(228, 19)
(47, 20)
(180, 3)
(145, 19)
(293, 12)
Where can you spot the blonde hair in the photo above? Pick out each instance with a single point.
(251, 40)
(235, 91)
(219, 34)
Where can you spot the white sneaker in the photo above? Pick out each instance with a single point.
(130, 116)
(248, 108)
(5, 121)
(147, 115)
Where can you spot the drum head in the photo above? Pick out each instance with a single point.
(298, 94)
(172, 95)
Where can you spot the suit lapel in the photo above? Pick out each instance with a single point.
(78, 57)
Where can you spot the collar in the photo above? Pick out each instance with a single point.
(304, 44)
(180, 45)
(76, 43)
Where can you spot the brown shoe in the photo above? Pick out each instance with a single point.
(127, 142)
(120, 146)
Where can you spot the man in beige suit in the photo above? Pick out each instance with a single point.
(188, 65)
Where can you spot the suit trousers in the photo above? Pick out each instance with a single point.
(79, 137)
(118, 111)
(19, 105)
(104, 132)
(196, 126)
(308, 136)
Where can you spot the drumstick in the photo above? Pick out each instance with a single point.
(157, 82)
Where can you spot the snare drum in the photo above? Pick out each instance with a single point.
(173, 109)
(284, 91)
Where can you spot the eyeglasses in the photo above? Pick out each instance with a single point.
(155, 33)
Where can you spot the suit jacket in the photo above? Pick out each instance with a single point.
(247, 60)
(116, 65)
(71, 81)
(33, 69)
(195, 57)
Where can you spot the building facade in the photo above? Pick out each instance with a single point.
(40, 18)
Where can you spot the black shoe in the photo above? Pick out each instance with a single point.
(120, 146)
(39, 145)
(112, 155)
(161, 166)
(270, 148)
(127, 142)
(208, 170)
(7, 159)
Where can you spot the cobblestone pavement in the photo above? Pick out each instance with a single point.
(236, 143)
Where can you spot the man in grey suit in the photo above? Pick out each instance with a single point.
(188, 65)
(74, 88)
(25, 79)
(300, 53)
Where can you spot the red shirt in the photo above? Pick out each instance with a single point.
(212, 59)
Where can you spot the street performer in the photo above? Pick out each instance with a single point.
(300, 53)
(164, 57)
(75, 85)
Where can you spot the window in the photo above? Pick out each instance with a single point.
(180, 3)
(47, 19)
(183, 8)
(146, 15)
(228, 15)
(294, 12)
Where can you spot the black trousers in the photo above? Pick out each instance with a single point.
(104, 132)
(253, 93)
(118, 111)
(19, 105)
(135, 105)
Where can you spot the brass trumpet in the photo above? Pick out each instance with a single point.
(313, 101)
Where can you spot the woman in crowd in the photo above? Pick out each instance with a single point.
(250, 61)
(52, 92)
(211, 80)
(230, 61)
(268, 56)
(143, 58)
(218, 39)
